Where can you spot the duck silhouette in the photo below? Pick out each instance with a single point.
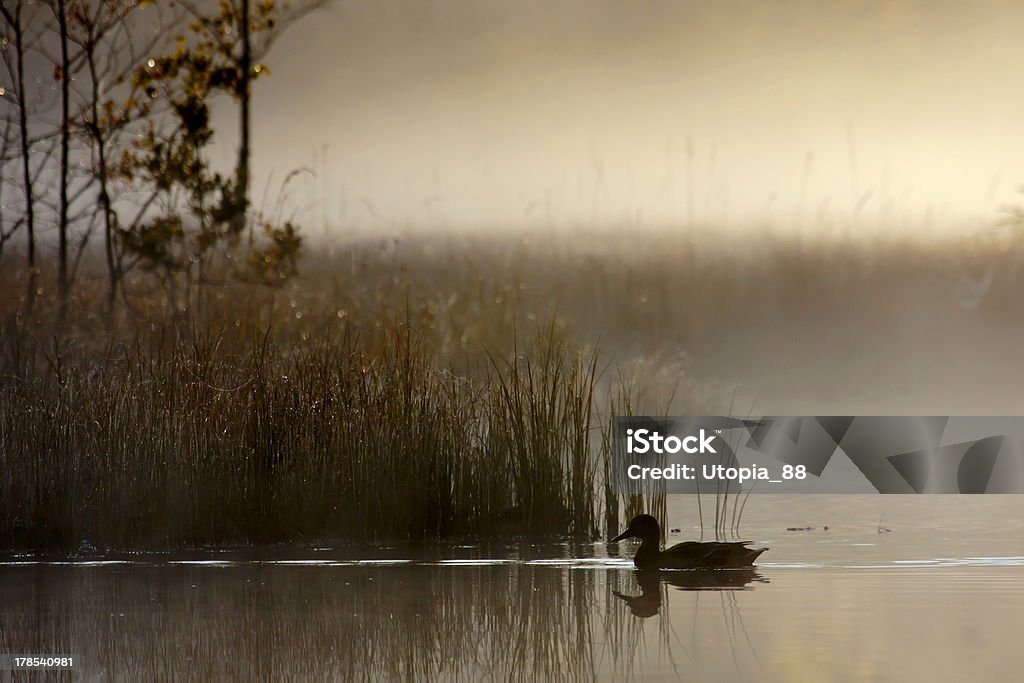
(688, 555)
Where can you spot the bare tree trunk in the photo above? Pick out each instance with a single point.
(62, 224)
(245, 87)
(100, 140)
(6, 145)
(13, 19)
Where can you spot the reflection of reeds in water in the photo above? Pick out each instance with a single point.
(509, 622)
(663, 594)
(262, 624)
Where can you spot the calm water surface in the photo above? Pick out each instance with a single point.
(898, 588)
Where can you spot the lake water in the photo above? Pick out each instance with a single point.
(899, 588)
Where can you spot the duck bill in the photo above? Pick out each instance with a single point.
(623, 536)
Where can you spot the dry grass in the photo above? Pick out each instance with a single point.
(411, 389)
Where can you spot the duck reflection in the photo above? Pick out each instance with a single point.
(650, 582)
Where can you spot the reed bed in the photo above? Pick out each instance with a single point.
(420, 388)
(171, 444)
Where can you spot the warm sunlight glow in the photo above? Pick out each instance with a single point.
(875, 117)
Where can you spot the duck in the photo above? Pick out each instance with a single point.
(688, 555)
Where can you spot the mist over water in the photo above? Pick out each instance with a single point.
(847, 116)
(482, 173)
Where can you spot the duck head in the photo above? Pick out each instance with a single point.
(644, 527)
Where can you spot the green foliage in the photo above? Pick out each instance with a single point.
(204, 213)
(277, 260)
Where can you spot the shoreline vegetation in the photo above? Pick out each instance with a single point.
(180, 367)
(411, 390)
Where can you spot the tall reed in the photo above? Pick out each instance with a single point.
(168, 442)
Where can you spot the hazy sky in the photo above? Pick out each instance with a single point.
(583, 112)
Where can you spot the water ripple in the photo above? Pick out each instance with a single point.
(564, 562)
